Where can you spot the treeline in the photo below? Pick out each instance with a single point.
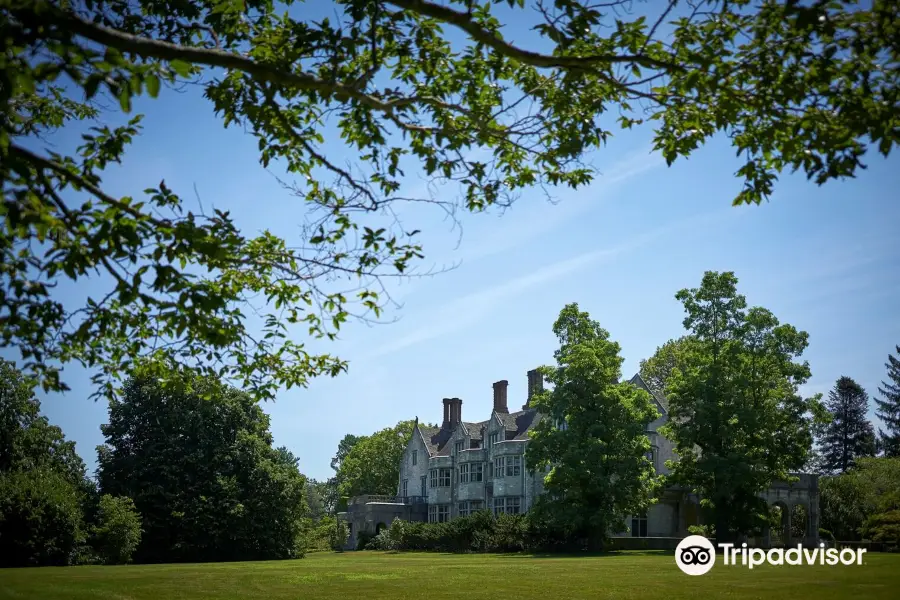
(186, 474)
(51, 513)
(862, 503)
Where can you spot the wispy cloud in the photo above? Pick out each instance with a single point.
(521, 224)
(471, 308)
(521, 227)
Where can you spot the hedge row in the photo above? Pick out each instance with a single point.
(479, 532)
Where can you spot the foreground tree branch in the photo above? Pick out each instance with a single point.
(801, 88)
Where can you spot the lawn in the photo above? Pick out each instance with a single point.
(372, 575)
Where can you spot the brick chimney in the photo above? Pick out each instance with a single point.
(455, 411)
(500, 396)
(446, 422)
(535, 385)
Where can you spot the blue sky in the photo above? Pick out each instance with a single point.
(824, 259)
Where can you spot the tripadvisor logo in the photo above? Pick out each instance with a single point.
(696, 555)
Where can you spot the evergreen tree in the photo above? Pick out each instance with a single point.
(889, 408)
(849, 435)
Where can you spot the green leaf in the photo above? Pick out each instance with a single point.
(152, 83)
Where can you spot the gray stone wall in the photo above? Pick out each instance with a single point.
(414, 472)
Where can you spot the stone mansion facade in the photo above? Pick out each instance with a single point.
(464, 466)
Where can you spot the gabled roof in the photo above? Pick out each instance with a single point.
(428, 434)
(473, 430)
(516, 424)
(660, 399)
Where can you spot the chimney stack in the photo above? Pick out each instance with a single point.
(455, 411)
(446, 422)
(500, 396)
(535, 385)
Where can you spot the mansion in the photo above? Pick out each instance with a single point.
(464, 466)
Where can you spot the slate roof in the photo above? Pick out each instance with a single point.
(474, 429)
(517, 425)
(428, 436)
(639, 381)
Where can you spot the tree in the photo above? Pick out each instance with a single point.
(118, 531)
(344, 447)
(316, 492)
(792, 86)
(40, 518)
(201, 470)
(45, 491)
(842, 506)
(864, 502)
(373, 464)
(735, 413)
(849, 434)
(656, 370)
(599, 471)
(889, 407)
(27, 439)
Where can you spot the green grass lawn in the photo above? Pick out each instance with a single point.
(374, 575)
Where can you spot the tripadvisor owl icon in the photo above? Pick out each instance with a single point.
(695, 555)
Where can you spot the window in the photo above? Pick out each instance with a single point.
(460, 446)
(464, 473)
(423, 492)
(440, 478)
(470, 507)
(475, 444)
(438, 513)
(511, 505)
(508, 466)
(405, 489)
(476, 471)
(639, 526)
(491, 470)
(415, 456)
(493, 439)
(513, 466)
(562, 424)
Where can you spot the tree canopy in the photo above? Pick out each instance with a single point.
(597, 468)
(736, 416)
(403, 88)
(372, 465)
(44, 490)
(656, 370)
(202, 472)
(864, 502)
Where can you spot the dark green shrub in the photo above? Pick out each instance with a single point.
(118, 530)
(883, 527)
(40, 519)
(339, 535)
(509, 533)
(363, 539)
